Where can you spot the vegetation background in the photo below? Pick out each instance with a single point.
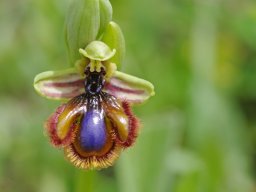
(199, 131)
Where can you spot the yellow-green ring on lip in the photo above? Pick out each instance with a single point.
(97, 50)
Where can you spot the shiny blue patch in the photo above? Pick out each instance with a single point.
(93, 134)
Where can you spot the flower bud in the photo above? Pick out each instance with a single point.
(105, 15)
(86, 20)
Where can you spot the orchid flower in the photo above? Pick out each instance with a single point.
(96, 122)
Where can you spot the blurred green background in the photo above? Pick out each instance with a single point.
(199, 131)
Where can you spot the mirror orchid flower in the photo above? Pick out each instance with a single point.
(96, 122)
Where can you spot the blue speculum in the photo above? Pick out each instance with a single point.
(93, 134)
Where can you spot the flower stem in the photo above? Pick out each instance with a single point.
(85, 181)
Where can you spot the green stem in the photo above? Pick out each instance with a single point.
(85, 181)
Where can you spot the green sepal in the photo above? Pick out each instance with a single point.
(114, 38)
(105, 15)
(129, 88)
(136, 82)
(59, 85)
